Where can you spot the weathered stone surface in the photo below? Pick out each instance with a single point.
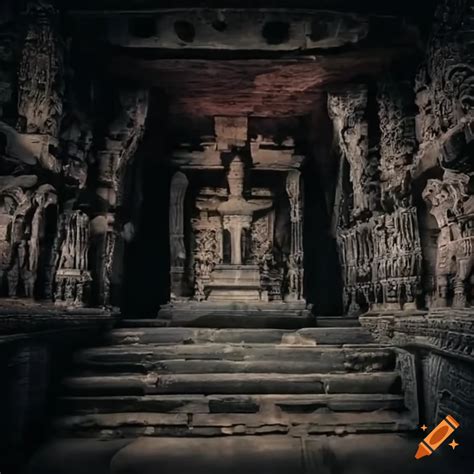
(318, 336)
(253, 454)
(257, 87)
(382, 382)
(230, 352)
(147, 424)
(290, 403)
(236, 29)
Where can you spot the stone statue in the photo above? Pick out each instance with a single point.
(72, 272)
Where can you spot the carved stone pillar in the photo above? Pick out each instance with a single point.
(41, 83)
(179, 185)
(121, 142)
(72, 274)
(207, 251)
(452, 205)
(295, 259)
(235, 225)
(397, 142)
(347, 110)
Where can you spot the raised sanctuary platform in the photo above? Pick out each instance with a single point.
(256, 314)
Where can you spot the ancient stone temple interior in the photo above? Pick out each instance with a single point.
(236, 236)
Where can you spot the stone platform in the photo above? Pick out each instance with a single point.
(352, 454)
(253, 314)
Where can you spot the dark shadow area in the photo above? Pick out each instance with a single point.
(146, 277)
(323, 283)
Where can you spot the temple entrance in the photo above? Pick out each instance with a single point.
(231, 227)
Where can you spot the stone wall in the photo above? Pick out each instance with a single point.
(442, 340)
(35, 352)
(63, 162)
(377, 231)
(420, 163)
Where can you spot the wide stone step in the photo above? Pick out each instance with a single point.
(369, 363)
(228, 358)
(180, 335)
(194, 404)
(182, 424)
(248, 383)
(357, 358)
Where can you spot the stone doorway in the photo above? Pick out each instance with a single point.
(227, 221)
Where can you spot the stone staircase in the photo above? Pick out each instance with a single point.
(188, 381)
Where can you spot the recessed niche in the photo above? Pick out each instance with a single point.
(276, 32)
(219, 25)
(185, 31)
(142, 27)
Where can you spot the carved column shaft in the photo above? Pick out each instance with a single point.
(347, 110)
(235, 225)
(121, 142)
(295, 263)
(397, 142)
(40, 80)
(179, 185)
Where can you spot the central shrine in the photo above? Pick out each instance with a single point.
(244, 245)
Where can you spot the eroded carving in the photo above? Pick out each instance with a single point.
(23, 219)
(445, 88)
(206, 252)
(452, 205)
(397, 143)
(40, 77)
(72, 274)
(347, 110)
(381, 261)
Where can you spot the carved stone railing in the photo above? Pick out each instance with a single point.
(442, 341)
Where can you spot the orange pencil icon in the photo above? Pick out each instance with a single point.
(436, 437)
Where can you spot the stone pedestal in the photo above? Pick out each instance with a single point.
(235, 283)
(72, 287)
(237, 314)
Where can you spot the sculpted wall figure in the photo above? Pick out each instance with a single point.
(72, 275)
(452, 205)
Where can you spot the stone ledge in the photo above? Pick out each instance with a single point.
(351, 454)
(446, 331)
(25, 317)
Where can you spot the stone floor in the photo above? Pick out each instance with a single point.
(351, 454)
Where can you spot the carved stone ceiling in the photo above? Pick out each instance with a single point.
(254, 87)
(269, 62)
